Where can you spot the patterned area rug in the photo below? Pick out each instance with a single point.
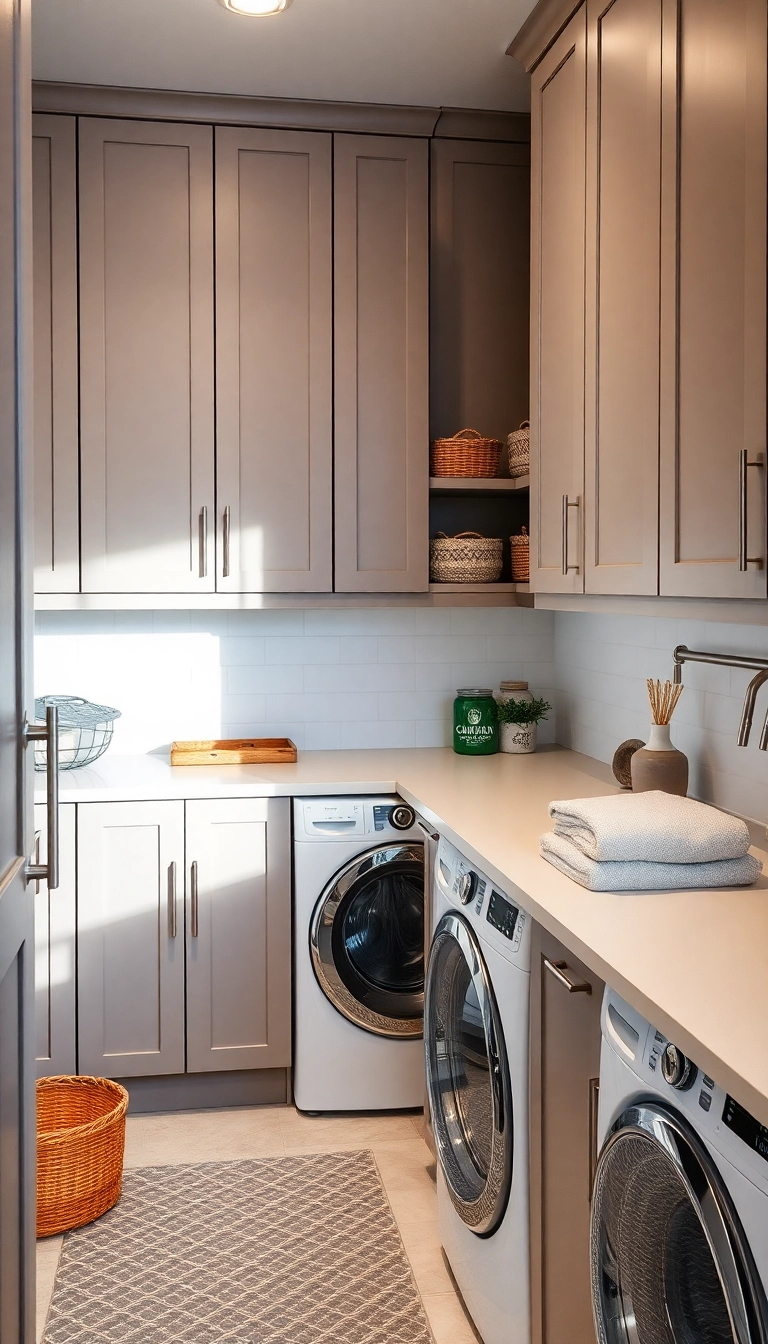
(286, 1250)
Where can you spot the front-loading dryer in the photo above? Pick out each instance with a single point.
(476, 1042)
(679, 1227)
(358, 954)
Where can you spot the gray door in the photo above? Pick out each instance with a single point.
(17, 1099)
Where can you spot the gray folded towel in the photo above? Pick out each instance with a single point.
(652, 827)
(640, 875)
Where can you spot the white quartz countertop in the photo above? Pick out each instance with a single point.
(694, 962)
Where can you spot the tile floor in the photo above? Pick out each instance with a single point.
(405, 1163)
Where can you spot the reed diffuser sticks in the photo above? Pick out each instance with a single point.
(663, 697)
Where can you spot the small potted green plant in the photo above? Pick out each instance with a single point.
(517, 724)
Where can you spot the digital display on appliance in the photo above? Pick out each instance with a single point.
(746, 1127)
(502, 915)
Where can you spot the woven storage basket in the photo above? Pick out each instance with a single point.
(465, 558)
(519, 450)
(520, 549)
(80, 1142)
(466, 454)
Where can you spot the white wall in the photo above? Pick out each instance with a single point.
(602, 663)
(361, 678)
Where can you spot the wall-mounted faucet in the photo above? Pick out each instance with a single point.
(758, 665)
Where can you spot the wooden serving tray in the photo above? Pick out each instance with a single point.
(235, 751)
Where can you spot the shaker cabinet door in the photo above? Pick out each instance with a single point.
(55, 952)
(130, 938)
(558, 224)
(54, 277)
(624, 45)
(713, 528)
(238, 930)
(381, 245)
(146, 357)
(274, 361)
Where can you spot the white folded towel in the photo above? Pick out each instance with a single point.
(653, 827)
(639, 875)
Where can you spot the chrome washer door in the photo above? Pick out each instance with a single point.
(470, 1095)
(670, 1262)
(366, 940)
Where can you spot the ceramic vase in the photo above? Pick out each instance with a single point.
(517, 738)
(659, 765)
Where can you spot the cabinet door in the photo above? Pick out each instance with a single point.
(130, 938)
(714, 300)
(623, 277)
(565, 1071)
(55, 952)
(274, 360)
(238, 934)
(480, 286)
(54, 265)
(558, 224)
(381, 196)
(146, 357)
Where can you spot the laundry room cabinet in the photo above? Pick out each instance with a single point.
(55, 957)
(183, 937)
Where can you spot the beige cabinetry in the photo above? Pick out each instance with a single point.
(558, 203)
(480, 281)
(54, 176)
(146, 356)
(55, 952)
(273, 360)
(381, 284)
(565, 1069)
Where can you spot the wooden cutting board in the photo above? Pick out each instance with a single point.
(235, 751)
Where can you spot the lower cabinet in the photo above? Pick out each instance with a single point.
(565, 1069)
(183, 936)
(55, 953)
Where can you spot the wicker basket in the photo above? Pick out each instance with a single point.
(519, 450)
(465, 558)
(466, 454)
(520, 549)
(80, 1142)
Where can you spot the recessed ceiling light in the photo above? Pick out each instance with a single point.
(256, 8)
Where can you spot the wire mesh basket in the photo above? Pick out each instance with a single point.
(85, 730)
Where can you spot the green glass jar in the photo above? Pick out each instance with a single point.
(475, 723)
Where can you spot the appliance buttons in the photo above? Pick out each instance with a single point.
(402, 817)
(707, 1082)
(705, 1100)
(676, 1069)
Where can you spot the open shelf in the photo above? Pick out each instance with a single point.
(479, 588)
(484, 485)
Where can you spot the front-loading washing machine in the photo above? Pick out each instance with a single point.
(358, 954)
(476, 1020)
(679, 1227)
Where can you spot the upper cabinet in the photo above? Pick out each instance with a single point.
(274, 464)
(480, 280)
(57, 558)
(558, 147)
(146, 357)
(381, 222)
(659, 398)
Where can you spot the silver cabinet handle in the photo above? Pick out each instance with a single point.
(567, 504)
(203, 541)
(49, 733)
(225, 557)
(558, 969)
(744, 557)
(194, 901)
(172, 900)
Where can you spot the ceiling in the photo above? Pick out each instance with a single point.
(433, 52)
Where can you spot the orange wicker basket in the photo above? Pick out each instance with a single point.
(466, 454)
(80, 1143)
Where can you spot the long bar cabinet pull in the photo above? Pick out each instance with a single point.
(558, 969)
(172, 899)
(194, 901)
(567, 504)
(48, 732)
(594, 1102)
(203, 541)
(744, 557)
(225, 547)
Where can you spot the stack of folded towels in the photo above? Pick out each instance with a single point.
(648, 842)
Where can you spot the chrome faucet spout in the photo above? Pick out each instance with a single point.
(745, 727)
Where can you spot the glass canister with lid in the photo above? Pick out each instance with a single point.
(514, 690)
(475, 722)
